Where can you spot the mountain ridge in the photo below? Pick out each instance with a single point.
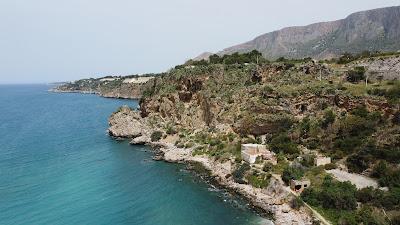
(372, 30)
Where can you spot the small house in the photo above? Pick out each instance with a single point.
(250, 152)
(321, 160)
(299, 185)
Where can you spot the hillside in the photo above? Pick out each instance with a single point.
(373, 30)
(300, 110)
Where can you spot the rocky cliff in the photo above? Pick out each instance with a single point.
(299, 109)
(373, 30)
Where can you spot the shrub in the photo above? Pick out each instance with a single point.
(214, 142)
(380, 169)
(396, 118)
(393, 94)
(292, 173)
(330, 166)
(356, 75)
(346, 58)
(156, 136)
(360, 111)
(296, 203)
(259, 181)
(268, 167)
(329, 118)
(347, 144)
(332, 195)
(308, 160)
(370, 215)
(283, 143)
(387, 175)
(239, 173)
(171, 130)
(347, 219)
(357, 163)
(369, 194)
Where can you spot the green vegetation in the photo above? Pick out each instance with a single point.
(156, 136)
(259, 180)
(348, 57)
(388, 176)
(292, 173)
(337, 201)
(283, 143)
(332, 195)
(356, 75)
(240, 172)
(292, 106)
(296, 203)
(392, 94)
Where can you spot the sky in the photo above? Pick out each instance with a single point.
(45, 41)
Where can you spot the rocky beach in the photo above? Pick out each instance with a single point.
(127, 123)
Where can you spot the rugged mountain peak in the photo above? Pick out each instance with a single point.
(373, 30)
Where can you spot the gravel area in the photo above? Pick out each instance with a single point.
(356, 179)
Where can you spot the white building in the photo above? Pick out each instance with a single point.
(137, 80)
(250, 152)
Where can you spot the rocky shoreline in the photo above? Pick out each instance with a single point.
(273, 200)
(116, 96)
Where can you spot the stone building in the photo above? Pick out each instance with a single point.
(299, 185)
(250, 152)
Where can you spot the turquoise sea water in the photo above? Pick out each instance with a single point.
(58, 166)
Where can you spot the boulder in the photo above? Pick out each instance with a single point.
(141, 140)
(126, 123)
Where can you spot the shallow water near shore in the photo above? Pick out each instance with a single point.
(58, 166)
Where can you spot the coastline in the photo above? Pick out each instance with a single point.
(262, 201)
(273, 200)
(56, 90)
(270, 203)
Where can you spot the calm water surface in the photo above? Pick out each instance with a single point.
(58, 166)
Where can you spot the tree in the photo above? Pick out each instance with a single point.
(215, 59)
(356, 75)
(332, 195)
(292, 173)
(329, 118)
(283, 143)
(346, 58)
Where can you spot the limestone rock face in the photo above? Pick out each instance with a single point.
(375, 30)
(126, 123)
(141, 140)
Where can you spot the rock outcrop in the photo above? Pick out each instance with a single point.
(127, 123)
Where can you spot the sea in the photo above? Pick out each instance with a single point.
(59, 166)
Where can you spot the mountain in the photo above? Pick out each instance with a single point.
(373, 30)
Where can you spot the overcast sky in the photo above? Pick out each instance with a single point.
(53, 40)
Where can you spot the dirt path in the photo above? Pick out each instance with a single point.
(319, 216)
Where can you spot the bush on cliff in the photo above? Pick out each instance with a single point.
(259, 180)
(292, 173)
(240, 172)
(283, 143)
(156, 136)
(296, 203)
